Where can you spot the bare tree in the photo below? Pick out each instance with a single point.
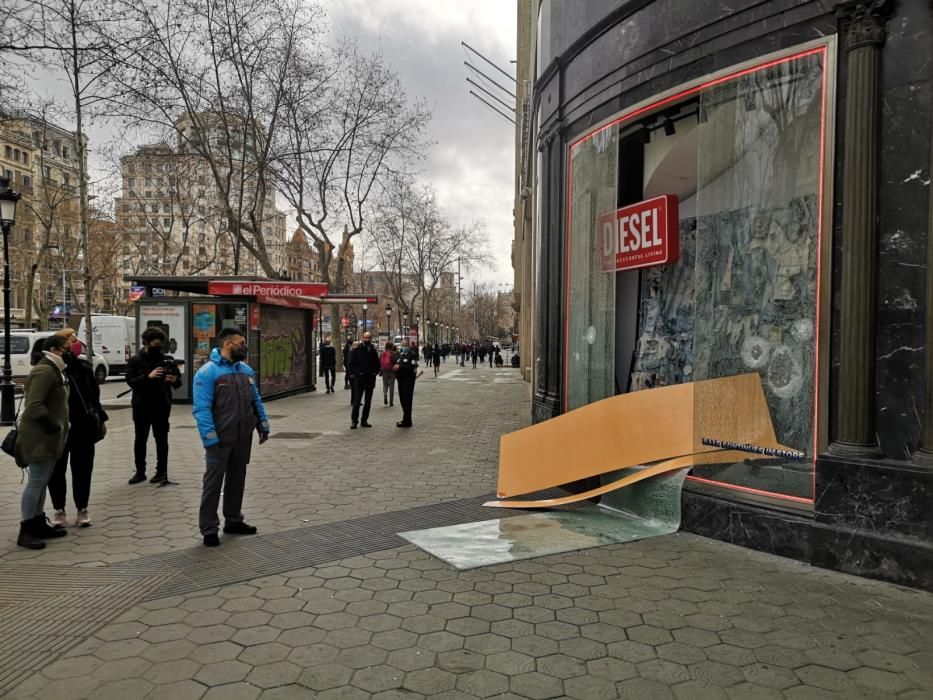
(348, 125)
(481, 312)
(215, 75)
(82, 41)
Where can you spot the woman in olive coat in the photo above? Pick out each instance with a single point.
(41, 437)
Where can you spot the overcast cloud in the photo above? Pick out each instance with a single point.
(471, 158)
(471, 161)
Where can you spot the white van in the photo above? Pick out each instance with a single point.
(114, 338)
(21, 343)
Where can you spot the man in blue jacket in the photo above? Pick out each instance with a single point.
(227, 409)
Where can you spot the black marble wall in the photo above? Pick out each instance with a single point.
(906, 112)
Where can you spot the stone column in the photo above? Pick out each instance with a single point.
(863, 24)
(924, 455)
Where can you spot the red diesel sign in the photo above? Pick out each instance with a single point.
(267, 289)
(640, 235)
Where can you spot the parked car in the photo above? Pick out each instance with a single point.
(114, 338)
(21, 342)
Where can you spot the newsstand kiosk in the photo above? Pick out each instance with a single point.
(278, 319)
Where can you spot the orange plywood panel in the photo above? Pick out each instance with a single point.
(633, 429)
(637, 428)
(732, 409)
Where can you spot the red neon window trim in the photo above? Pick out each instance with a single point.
(677, 97)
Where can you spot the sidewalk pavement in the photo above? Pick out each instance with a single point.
(328, 603)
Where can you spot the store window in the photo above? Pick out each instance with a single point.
(744, 154)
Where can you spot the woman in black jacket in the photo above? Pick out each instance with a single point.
(88, 425)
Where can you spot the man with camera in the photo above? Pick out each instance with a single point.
(152, 376)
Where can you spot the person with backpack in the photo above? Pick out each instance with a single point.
(42, 434)
(388, 358)
(88, 425)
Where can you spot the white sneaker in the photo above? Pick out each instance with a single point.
(83, 519)
(59, 519)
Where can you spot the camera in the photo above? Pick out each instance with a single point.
(171, 365)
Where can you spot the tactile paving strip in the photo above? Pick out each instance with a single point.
(37, 627)
(245, 558)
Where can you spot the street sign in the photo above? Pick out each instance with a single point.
(267, 289)
(158, 292)
(137, 293)
(639, 235)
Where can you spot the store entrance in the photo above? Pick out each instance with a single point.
(654, 306)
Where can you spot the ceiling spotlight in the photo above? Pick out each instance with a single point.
(669, 128)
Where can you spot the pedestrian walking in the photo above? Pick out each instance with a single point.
(406, 372)
(387, 359)
(152, 377)
(87, 426)
(436, 359)
(474, 354)
(346, 359)
(329, 364)
(492, 351)
(227, 408)
(363, 368)
(41, 437)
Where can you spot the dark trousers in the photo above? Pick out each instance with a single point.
(406, 394)
(474, 363)
(362, 393)
(158, 422)
(330, 377)
(81, 453)
(346, 379)
(226, 470)
(490, 359)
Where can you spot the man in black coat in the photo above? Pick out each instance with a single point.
(363, 368)
(152, 386)
(329, 364)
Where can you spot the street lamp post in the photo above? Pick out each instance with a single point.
(389, 320)
(8, 200)
(418, 326)
(365, 307)
(405, 328)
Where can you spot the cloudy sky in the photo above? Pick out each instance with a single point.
(471, 157)
(471, 161)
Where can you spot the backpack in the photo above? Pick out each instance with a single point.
(385, 361)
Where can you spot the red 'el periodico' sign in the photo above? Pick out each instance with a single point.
(640, 235)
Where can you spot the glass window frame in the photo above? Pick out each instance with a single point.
(654, 105)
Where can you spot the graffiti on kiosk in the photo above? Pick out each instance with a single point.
(282, 360)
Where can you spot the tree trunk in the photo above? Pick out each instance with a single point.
(82, 190)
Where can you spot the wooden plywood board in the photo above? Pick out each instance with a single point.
(633, 429)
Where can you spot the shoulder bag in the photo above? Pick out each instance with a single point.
(92, 415)
(9, 441)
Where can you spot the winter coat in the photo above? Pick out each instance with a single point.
(151, 395)
(43, 424)
(227, 406)
(84, 396)
(364, 362)
(328, 356)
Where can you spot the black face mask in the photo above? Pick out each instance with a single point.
(239, 354)
(156, 352)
